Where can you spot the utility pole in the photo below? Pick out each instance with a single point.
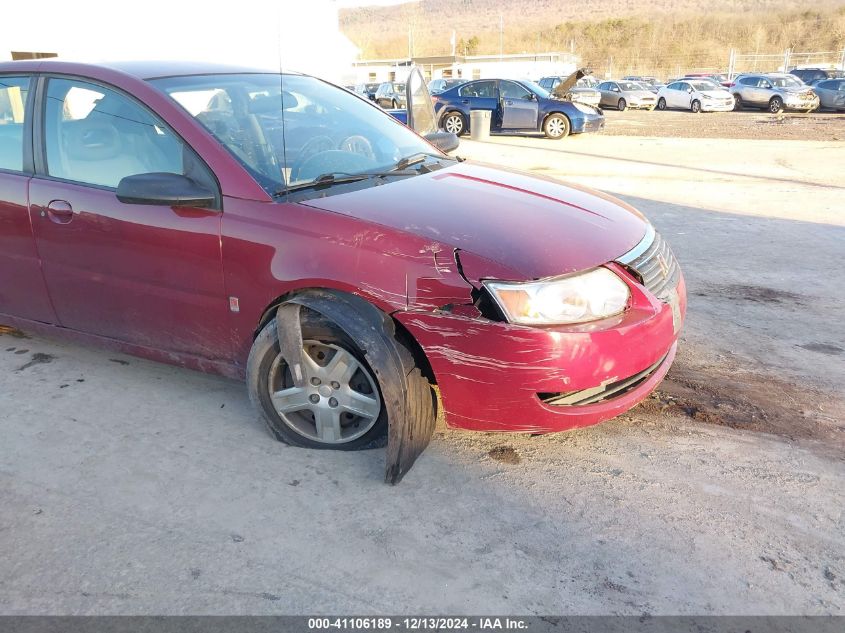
(501, 36)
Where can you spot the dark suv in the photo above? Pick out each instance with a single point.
(813, 75)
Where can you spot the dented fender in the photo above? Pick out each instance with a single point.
(408, 434)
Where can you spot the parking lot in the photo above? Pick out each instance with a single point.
(133, 487)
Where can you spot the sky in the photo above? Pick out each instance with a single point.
(303, 34)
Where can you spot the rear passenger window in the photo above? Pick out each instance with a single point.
(13, 93)
(98, 136)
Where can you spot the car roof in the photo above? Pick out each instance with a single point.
(140, 69)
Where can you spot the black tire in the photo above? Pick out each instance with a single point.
(455, 120)
(622, 105)
(737, 102)
(262, 358)
(393, 104)
(661, 103)
(775, 105)
(557, 126)
(695, 106)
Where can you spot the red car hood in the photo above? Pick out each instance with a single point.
(531, 225)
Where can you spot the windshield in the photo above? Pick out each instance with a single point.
(292, 136)
(705, 85)
(400, 88)
(628, 85)
(537, 89)
(785, 82)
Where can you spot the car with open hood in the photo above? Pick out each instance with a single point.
(572, 87)
(278, 229)
(773, 92)
(516, 107)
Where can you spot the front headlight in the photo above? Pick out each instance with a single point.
(589, 296)
(584, 108)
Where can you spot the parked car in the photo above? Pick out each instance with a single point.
(391, 94)
(652, 84)
(695, 95)
(812, 75)
(368, 90)
(439, 85)
(572, 88)
(720, 78)
(626, 94)
(831, 93)
(516, 107)
(278, 229)
(773, 92)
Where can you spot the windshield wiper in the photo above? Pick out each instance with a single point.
(341, 177)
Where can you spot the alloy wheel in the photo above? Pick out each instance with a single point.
(453, 124)
(339, 401)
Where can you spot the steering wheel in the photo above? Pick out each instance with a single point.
(357, 144)
(313, 146)
(319, 155)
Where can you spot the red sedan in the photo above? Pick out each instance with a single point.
(282, 230)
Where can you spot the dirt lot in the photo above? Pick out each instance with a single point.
(132, 487)
(749, 124)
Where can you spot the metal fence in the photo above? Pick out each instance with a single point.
(739, 63)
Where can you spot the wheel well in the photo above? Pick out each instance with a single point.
(402, 334)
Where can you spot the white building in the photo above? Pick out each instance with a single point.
(531, 66)
(263, 33)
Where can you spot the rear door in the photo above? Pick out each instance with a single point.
(478, 95)
(519, 106)
(147, 275)
(22, 289)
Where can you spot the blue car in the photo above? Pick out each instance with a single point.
(518, 107)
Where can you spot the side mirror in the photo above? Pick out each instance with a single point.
(444, 141)
(689, 90)
(531, 96)
(170, 190)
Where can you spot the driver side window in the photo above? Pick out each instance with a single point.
(511, 90)
(97, 136)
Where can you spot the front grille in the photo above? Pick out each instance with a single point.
(601, 393)
(653, 264)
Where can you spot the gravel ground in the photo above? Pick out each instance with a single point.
(130, 487)
(746, 124)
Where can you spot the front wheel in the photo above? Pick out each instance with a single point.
(556, 126)
(775, 105)
(621, 105)
(340, 405)
(737, 102)
(454, 123)
(695, 106)
(661, 103)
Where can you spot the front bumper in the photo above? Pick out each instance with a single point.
(642, 105)
(495, 376)
(588, 123)
(801, 104)
(716, 106)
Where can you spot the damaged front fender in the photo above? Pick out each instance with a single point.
(410, 410)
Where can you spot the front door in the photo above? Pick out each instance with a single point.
(519, 107)
(147, 275)
(22, 290)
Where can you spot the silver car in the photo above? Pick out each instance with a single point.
(626, 94)
(831, 94)
(773, 92)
